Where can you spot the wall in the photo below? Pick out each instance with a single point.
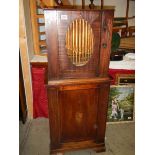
(120, 7)
(28, 28)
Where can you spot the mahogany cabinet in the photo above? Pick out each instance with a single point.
(79, 43)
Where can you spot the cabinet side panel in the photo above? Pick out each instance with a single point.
(54, 117)
(106, 36)
(52, 43)
(102, 111)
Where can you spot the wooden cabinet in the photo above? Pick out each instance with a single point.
(79, 43)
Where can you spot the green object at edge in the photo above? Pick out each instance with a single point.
(115, 41)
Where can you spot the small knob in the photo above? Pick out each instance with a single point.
(104, 45)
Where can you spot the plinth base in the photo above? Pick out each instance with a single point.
(73, 146)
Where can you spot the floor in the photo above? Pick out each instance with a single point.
(34, 139)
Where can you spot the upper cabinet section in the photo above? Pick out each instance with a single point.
(78, 42)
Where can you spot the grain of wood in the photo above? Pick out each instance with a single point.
(25, 60)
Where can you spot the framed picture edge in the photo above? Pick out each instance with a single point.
(124, 121)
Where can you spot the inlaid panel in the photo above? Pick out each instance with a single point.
(78, 114)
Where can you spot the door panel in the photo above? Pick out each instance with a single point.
(78, 110)
(67, 68)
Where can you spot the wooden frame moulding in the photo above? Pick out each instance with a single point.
(35, 27)
(25, 59)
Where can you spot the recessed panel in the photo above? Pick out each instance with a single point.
(78, 114)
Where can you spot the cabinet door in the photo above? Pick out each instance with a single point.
(78, 110)
(73, 42)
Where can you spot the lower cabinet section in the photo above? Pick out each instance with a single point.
(77, 114)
